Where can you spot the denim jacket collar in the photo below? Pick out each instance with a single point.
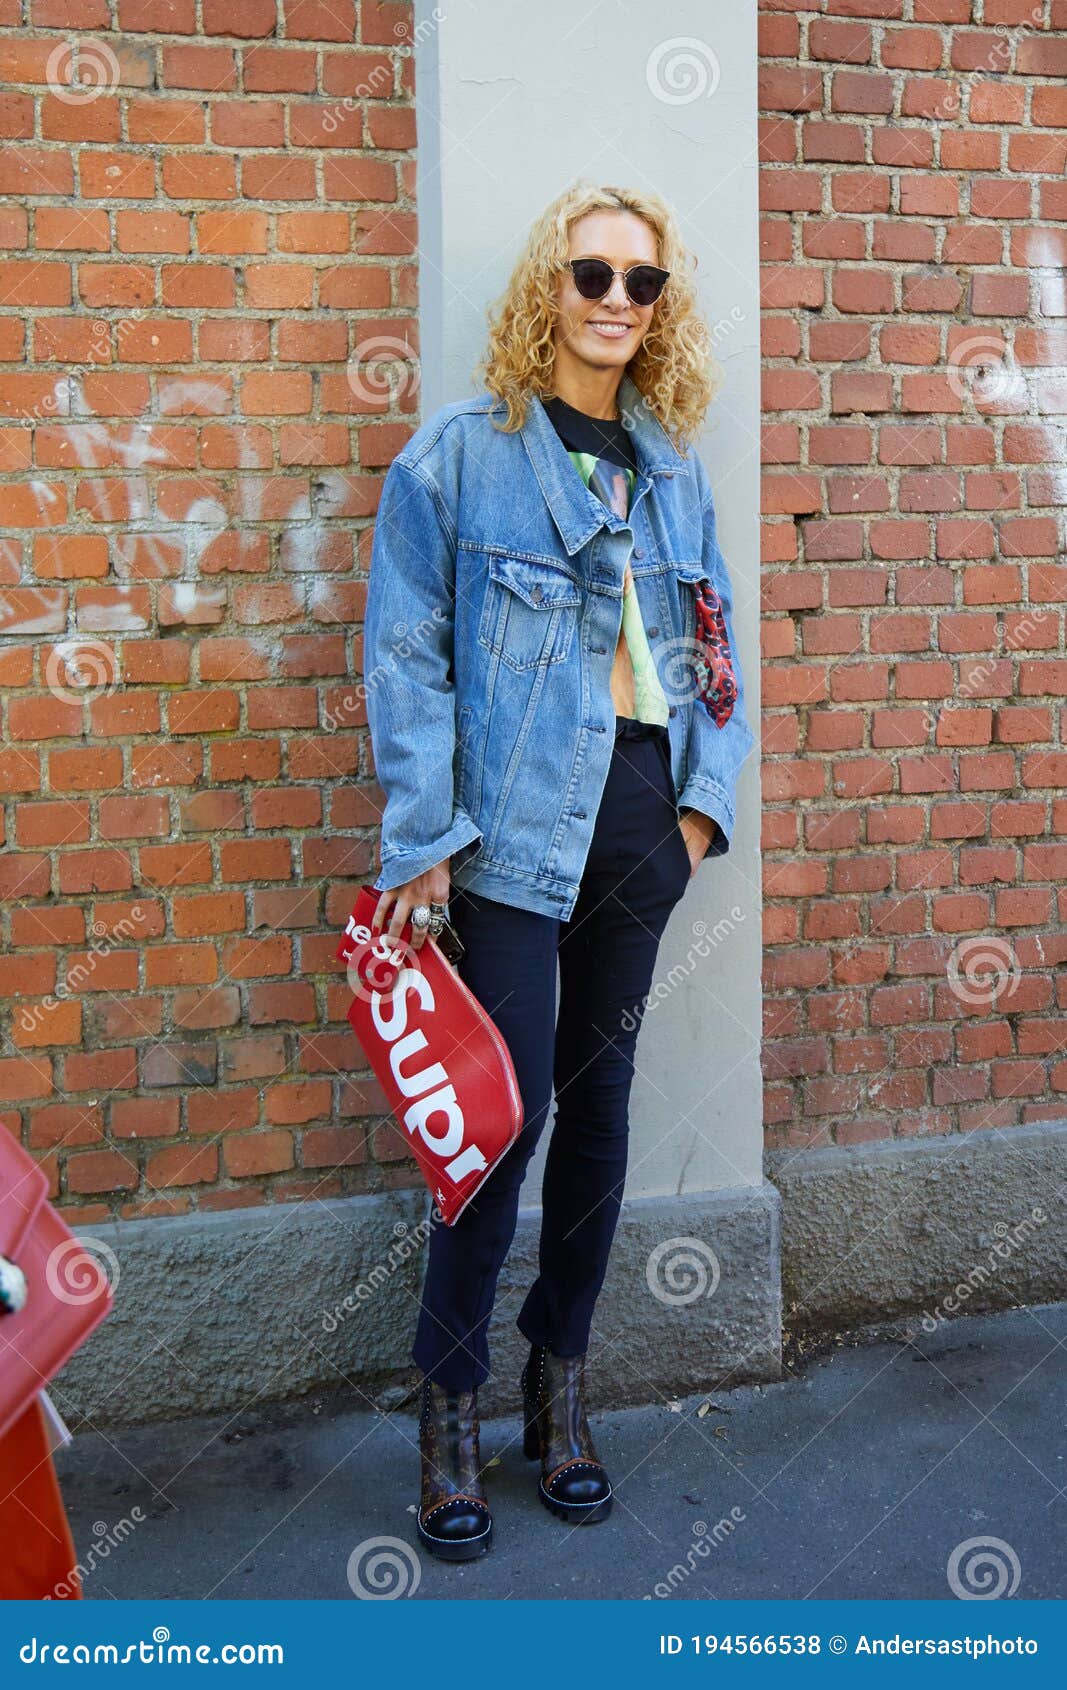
(577, 513)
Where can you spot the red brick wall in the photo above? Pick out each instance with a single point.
(199, 228)
(914, 341)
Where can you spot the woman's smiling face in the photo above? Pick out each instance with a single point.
(605, 333)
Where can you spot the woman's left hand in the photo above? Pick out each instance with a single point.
(698, 831)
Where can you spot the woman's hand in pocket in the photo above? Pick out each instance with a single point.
(698, 831)
(396, 905)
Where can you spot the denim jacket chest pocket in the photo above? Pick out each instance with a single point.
(530, 611)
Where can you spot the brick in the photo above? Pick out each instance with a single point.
(182, 1164)
(213, 913)
(253, 1059)
(212, 711)
(217, 1111)
(289, 1000)
(57, 1125)
(50, 1022)
(95, 871)
(145, 1117)
(258, 1153)
(180, 965)
(295, 1104)
(177, 1064)
(101, 1170)
(87, 770)
(193, 1011)
(24, 1077)
(327, 1147)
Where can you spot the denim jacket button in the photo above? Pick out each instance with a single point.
(672, 709)
(638, 552)
(653, 631)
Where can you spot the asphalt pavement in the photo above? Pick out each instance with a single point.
(930, 1465)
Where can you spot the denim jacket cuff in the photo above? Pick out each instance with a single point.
(711, 800)
(400, 866)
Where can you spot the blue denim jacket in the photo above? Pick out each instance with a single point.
(493, 612)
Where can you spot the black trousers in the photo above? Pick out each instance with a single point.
(637, 869)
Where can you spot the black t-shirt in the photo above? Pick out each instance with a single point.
(598, 436)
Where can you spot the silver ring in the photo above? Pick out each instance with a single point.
(12, 1287)
(420, 915)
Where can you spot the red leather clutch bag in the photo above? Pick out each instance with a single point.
(52, 1291)
(441, 1061)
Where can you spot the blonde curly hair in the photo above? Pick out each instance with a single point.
(674, 369)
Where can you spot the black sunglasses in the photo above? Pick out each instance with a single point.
(593, 277)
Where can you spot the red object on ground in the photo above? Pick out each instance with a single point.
(66, 1296)
(39, 1558)
(442, 1062)
(67, 1293)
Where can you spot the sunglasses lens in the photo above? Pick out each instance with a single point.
(645, 284)
(592, 277)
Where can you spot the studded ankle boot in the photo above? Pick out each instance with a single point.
(573, 1484)
(453, 1521)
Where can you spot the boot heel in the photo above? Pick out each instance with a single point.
(573, 1484)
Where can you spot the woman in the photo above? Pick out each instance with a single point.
(556, 764)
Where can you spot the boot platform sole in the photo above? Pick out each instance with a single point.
(455, 1549)
(576, 1513)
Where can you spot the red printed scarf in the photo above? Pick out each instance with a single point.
(716, 685)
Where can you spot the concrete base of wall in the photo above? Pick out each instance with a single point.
(223, 1312)
(691, 1300)
(219, 1313)
(928, 1227)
